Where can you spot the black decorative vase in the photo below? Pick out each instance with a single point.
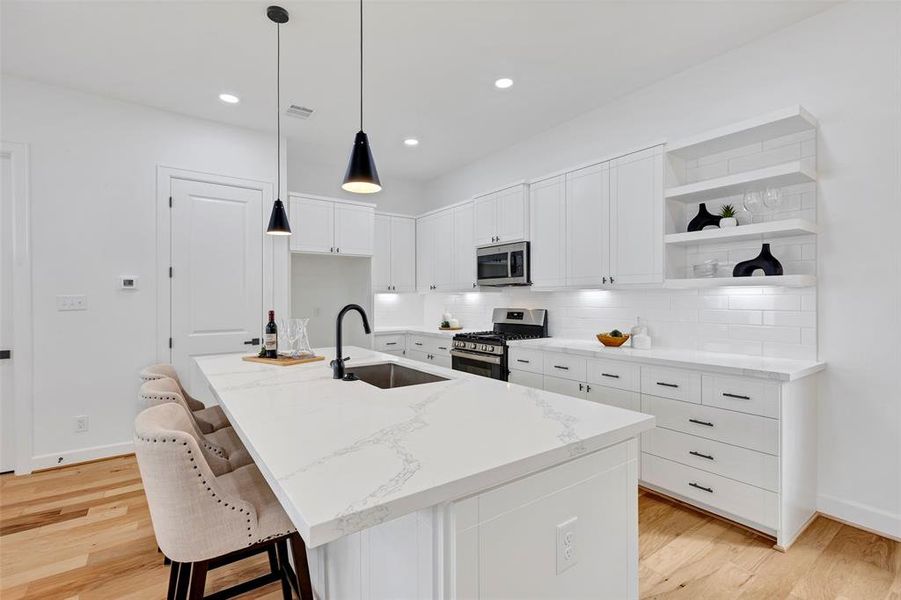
(765, 261)
(703, 219)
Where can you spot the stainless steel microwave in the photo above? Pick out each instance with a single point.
(503, 264)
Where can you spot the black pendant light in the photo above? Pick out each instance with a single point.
(278, 221)
(361, 176)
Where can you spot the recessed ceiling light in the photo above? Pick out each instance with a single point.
(229, 98)
(411, 142)
(503, 83)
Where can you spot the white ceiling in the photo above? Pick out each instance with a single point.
(430, 65)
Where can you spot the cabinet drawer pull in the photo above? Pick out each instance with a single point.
(523, 361)
(707, 456)
(442, 347)
(611, 375)
(561, 367)
(391, 343)
(728, 395)
(417, 343)
(700, 487)
(664, 384)
(704, 423)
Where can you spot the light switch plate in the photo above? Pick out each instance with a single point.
(71, 303)
(566, 544)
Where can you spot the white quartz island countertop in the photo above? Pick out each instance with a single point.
(344, 456)
(780, 369)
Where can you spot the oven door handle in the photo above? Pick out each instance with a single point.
(494, 360)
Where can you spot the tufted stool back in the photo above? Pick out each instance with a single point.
(163, 370)
(193, 518)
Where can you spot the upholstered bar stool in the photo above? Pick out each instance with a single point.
(203, 520)
(223, 442)
(209, 419)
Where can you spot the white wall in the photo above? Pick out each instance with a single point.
(321, 286)
(843, 65)
(93, 199)
(398, 195)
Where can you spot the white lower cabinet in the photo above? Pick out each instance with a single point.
(740, 447)
(432, 349)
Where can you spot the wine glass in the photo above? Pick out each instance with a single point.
(753, 202)
(772, 198)
(292, 333)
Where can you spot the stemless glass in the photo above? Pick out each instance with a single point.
(302, 341)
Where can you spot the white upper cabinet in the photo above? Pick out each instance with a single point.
(636, 218)
(320, 225)
(312, 224)
(425, 252)
(502, 216)
(587, 226)
(547, 210)
(353, 229)
(464, 247)
(443, 274)
(394, 256)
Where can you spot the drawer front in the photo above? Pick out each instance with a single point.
(526, 378)
(390, 343)
(526, 359)
(744, 395)
(566, 366)
(748, 466)
(442, 346)
(615, 373)
(747, 431)
(677, 384)
(615, 397)
(430, 357)
(707, 489)
(419, 343)
(567, 387)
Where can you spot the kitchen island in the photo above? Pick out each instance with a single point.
(461, 488)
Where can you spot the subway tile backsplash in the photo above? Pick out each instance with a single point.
(761, 321)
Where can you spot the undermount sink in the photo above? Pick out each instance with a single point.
(392, 375)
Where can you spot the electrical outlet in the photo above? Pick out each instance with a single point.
(566, 545)
(81, 424)
(71, 303)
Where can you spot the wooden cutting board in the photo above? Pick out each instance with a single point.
(283, 361)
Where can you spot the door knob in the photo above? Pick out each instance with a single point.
(5, 354)
(252, 342)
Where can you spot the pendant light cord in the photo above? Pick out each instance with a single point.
(361, 65)
(278, 108)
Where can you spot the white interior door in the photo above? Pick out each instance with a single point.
(7, 410)
(217, 248)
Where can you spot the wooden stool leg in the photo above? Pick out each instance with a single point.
(281, 549)
(173, 579)
(198, 579)
(302, 567)
(184, 577)
(273, 559)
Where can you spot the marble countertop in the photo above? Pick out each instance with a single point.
(344, 456)
(782, 369)
(424, 330)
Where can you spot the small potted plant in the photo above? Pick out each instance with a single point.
(727, 212)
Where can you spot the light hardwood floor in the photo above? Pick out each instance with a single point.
(84, 532)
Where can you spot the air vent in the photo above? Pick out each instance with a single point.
(299, 112)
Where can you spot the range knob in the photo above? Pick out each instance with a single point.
(473, 346)
(486, 347)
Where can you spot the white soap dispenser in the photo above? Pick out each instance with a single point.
(640, 338)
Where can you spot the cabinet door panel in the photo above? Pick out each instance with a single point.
(547, 205)
(464, 248)
(313, 223)
(425, 253)
(512, 214)
(636, 217)
(444, 251)
(587, 225)
(485, 219)
(353, 229)
(567, 387)
(381, 254)
(403, 254)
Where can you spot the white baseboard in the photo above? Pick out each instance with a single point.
(71, 457)
(874, 520)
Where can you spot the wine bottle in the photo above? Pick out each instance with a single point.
(270, 338)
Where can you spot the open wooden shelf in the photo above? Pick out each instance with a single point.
(710, 282)
(776, 124)
(768, 230)
(790, 173)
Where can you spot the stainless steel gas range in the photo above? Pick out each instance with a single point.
(485, 352)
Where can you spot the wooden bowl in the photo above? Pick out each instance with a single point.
(613, 342)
